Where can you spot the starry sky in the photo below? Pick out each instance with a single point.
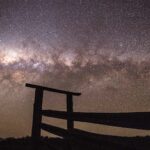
(100, 48)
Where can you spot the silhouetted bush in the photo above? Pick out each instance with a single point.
(108, 143)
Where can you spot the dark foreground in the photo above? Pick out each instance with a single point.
(106, 143)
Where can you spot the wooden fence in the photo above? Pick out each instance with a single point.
(136, 120)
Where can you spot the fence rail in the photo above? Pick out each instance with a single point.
(136, 120)
(52, 89)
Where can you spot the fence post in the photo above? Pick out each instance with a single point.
(37, 116)
(70, 124)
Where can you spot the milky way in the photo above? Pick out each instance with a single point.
(97, 47)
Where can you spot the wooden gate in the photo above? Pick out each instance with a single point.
(136, 120)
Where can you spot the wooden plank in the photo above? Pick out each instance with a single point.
(55, 114)
(52, 89)
(137, 120)
(54, 130)
(63, 132)
(80, 135)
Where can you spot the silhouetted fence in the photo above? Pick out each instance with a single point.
(136, 120)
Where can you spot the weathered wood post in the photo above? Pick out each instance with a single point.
(37, 115)
(70, 124)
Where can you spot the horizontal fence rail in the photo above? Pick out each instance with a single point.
(54, 130)
(52, 89)
(136, 120)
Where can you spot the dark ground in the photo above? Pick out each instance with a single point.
(107, 143)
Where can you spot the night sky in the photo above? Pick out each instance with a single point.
(100, 48)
